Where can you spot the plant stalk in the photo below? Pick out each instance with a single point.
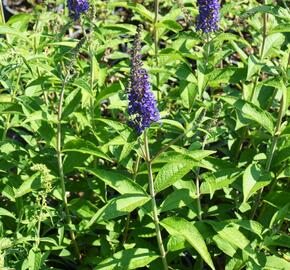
(128, 218)
(156, 47)
(2, 17)
(197, 184)
(89, 39)
(244, 131)
(265, 17)
(61, 172)
(271, 153)
(153, 202)
(37, 241)
(13, 94)
(35, 52)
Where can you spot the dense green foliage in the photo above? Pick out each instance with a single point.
(220, 155)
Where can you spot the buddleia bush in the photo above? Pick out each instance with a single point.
(144, 135)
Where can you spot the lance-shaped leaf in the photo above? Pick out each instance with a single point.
(170, 173)
(115, 180)
(183, 228)
(254, 179)
(85, 147)
(119, 206)
(252, 112)
(128, 259)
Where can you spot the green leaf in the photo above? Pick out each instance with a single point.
(170, 173)
(285, 173)
(253, 180)
(117, 181)
(117, 207)
(4, 212)
(253, 66)
(250, 225)
(281, 28)
(277, 241)
(128, 259)
(218, 180)
(176, 243)
(241, 53)
(276, 263)
(9, 107)
(138, 8)
(272, 41)
(188, 93)
(72, 102)
(196, 155)
(200, 77)
(83, 208)
(85, 147)
(277, 198)
(84, 86)
(226, 75)
(174, 125)
(230, 233)
(277, 11)
(252, 112)
(8, 30)
(180, 227)
(171, 25)
(280, 156)
(109, 91)
(176, 199)
(30, 184)
(34, 259)
(224, 246)
(279, 216)
(121, 28)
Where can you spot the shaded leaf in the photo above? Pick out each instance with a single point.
(116, 180)
(85, 147)
(117, 207)
(128, 259)
(252, 112)
(253, 180)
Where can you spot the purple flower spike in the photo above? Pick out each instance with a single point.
(142, 106)
(77, 7)
(209, 15)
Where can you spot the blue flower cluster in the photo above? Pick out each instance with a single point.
(142, 106)
(209, 15)
(77, 7)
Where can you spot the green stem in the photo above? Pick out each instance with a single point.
(6, 127)
(271, 154)
(285, 4)
(92, 79)
(125, 234)
(13, 94)
(156, 41)
(244, 131)
(37, 241)
(261, 55)
(207, 52)
(60, 168)
(35, 52)
(163, 149)
(153, 202)
(2, 17)
(197, 184)
(92, 75)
